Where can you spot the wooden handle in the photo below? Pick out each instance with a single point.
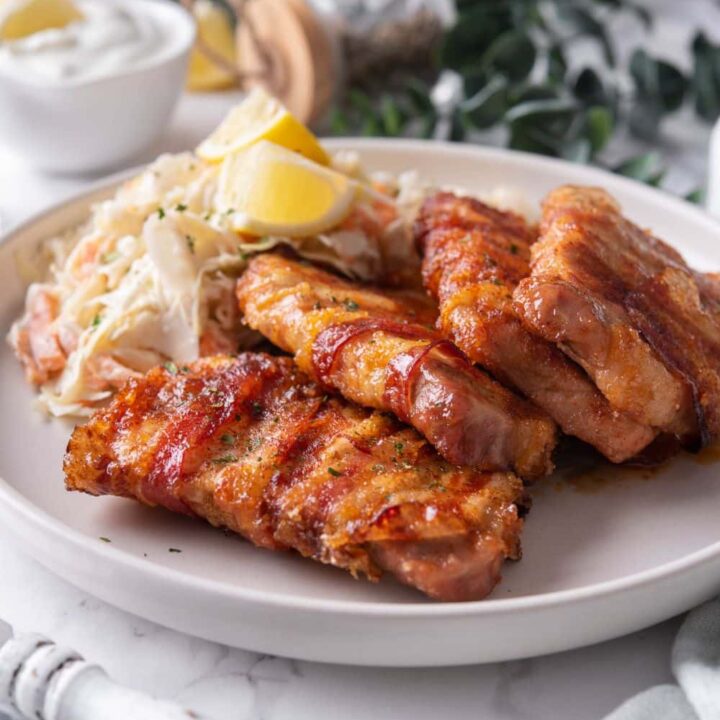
(283, 46)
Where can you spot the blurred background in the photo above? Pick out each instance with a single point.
(629, 85)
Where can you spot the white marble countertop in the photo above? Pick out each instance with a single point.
(233, 684)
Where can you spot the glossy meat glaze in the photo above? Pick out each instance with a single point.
(251, 444)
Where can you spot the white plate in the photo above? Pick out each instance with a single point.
(601, 558)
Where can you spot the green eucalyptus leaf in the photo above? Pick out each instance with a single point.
(524, 93)
(599, 127)
(488, 105)
(532, 138)
(512, 54)
(392, 118)
(557, 64)
(542, 109)
(427, 127)
(361, 102)
(476, 27)
(657, 81)
(419, 96)
(589, 88)
(542, 126)
(458, 127)
(578, 150)
(474, 80)
(339, 122)
(706, 78)
(696, 196)
(646, 168)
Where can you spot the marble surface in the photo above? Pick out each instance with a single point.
(220, 682)
(229, 684)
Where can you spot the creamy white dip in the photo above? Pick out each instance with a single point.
(109, 39)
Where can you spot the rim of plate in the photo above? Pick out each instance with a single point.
(33, 515)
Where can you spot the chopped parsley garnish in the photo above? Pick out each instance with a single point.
(497, 281)
(513, 248)
(257, 409)
(435, 485)
(96, 320)
(238, 417)
(190, 240)
(243, 255)
(225, 459)
(105, 539)
(317, 306)
(181, 207)
(185, 368)
(350, 305)
(109, 257)
(230, 211)
(399, 447)
(207, 216)
(171, 367)
(334, 472)
(227, 439)
(175, 550)
(160, 213)
(378, 467)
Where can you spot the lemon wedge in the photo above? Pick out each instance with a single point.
(269, 190)
(215, 29)
(19, 18)
(261, 117)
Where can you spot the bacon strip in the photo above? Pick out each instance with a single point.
(369, 346)
(626, 307)
(251, 444)
(474, 257)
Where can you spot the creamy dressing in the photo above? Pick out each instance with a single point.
(108, 40)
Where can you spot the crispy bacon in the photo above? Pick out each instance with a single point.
(251, 444)
(474, 256)
(373, 348)
(626, 307)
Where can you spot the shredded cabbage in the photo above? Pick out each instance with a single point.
(150, 276)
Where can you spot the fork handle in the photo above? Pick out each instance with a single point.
(39, 679)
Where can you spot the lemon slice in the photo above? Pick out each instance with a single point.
(269, 190)
(19, 18)
(216, 31)
(261, 117)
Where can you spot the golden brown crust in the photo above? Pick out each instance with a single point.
(251, 444)
(380, 351)
(474, 256)
(628, 308)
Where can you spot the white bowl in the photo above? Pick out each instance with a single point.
(77, 126)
